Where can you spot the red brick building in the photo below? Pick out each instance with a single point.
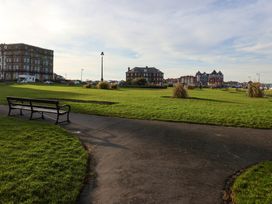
(151, 74)
(22, 59)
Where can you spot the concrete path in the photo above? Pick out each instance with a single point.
(141, 161)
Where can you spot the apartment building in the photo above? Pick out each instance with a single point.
(21, 59)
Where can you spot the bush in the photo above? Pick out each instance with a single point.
(114, 86)
(180, 91)
(254, 90)
(190, 87)
(139, 81)
(103, 85)
(147, 86)
(87, 86)
(123, 83)
(71, 83)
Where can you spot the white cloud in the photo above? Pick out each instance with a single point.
(177, 36)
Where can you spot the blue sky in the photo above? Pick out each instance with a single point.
(179, 37)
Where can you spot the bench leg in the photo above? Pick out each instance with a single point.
(57, 121)
(9, 113)
(42, 116)
(31, 115)
(21, 112)
(68, 117)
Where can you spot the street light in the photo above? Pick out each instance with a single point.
(259, 77)
(102, 54)
(81, 73)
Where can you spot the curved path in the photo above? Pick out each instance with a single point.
(141, 161)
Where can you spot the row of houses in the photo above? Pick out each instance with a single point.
(214, 79)
(155, 76)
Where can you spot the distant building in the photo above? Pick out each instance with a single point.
(57, 77)
(21, 59)
(188, 80)
(202, 79)
(214, 79)
(233, 84)
(172, 81)
(151, 74)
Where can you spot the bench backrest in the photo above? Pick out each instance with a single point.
(41, 103)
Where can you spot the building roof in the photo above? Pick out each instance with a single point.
(23, 45)
(145, 69)
(214, 72)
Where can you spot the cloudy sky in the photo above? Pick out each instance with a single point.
(179, 37)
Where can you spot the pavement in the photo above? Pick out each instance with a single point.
(139, 161)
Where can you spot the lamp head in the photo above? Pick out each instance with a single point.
(102, 53)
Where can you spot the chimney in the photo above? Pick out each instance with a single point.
(128, 68)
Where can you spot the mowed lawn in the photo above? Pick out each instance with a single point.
(39, 163)
(254, 185)
(207, 106)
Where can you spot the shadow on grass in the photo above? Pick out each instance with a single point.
(46, 94)
(202, 99)
(84, 101)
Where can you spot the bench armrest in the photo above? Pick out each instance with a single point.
(65, 107)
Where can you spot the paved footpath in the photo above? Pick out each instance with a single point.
(140, 161)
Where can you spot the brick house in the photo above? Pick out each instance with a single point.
(214, 79)
(151, 74)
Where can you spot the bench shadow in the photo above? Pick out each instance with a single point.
(84, 101)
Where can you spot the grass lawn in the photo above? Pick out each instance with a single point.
(39, 163)
(207, 106)
(254, 185)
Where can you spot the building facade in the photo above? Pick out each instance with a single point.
(22, 59)
(188, 80)
(151, 74)
(171, 81)
(214, 79)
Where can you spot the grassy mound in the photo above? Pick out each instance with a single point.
(39, 163)
(254, 185)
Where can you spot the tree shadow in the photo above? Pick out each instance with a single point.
(66, 96)
(202, 99)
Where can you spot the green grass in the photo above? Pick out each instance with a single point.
(39, 163)
(254, 186)
(219, 107)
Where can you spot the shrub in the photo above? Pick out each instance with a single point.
(254, 90)
(123, 83)
(139, 81)
(87, 86)
(71, 83)
(114, 86)
(103, 85)
(191, 87)
(180, 91)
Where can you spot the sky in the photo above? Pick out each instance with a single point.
(179, 37)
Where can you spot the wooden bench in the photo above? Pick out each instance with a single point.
(40, 106)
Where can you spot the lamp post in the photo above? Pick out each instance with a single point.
(81, 74)
(102, 54)
(259, 77)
